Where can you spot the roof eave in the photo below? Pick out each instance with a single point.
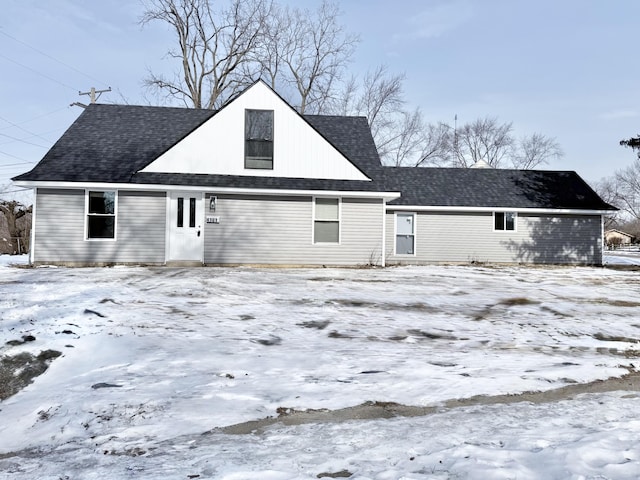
(448, 208)
(387, 196)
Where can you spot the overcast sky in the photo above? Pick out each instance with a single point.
(564, 68)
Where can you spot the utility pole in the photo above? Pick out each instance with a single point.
(92, 93)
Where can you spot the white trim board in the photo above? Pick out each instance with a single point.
(208, 189)
(568, 211)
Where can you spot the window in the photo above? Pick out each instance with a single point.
(180, 212)
(192, 213)
(101, 215)
(258, 139)
(180, 219)
(326, 223)
(504, 220)
(405, 234)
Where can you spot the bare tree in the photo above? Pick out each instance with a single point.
(607, 189)
(535, 150)
(403, 140)
(417, 144)
(631, 226)
(269, 52)
(483, 139)
(435, 146)
(401, 136)
(13, 211)
(380, 99)
(213, 47)
(627, 183)
(315, 50)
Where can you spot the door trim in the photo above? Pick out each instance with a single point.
(196, 259)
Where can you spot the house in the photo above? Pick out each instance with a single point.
(615, 237)
(255, 183)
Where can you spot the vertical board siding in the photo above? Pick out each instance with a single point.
(60, 229)
(469, 237)
(279, 230)
(294, 140)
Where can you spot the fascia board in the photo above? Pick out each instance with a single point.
(388, 196)
(567, 211)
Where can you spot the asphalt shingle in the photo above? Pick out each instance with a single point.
(488, 187)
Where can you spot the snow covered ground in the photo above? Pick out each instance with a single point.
(622, 257)
(157, 361)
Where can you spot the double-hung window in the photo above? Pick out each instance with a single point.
(101, 214)
(258, 139)
(326, 220)
(405, 234)
(504, 220)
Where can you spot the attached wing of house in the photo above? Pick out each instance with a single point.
(493, 215)
(257, 183)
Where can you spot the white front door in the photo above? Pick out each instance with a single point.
(186, 214)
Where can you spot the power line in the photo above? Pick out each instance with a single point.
(37, 118)
(39, 73)
(50, 57)
(13, 156)
(2, 192)
(22, 140)
(16, 164)
(23, 129)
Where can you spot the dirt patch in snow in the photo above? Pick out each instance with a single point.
(18, 371)
(381, 410)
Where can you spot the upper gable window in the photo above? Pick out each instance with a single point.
(258, 139)
(504, 220)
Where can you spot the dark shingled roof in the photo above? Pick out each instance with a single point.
(488, 187)
(110, 143)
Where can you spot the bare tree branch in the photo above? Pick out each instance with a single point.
(315, 49)
(484, 139)
(607, 189)
(13, 211)
(535, 150)
(213, 46)
(627, 182)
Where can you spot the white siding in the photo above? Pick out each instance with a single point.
(279, 231)
(217, 146)
(469, 237)
(60, 229)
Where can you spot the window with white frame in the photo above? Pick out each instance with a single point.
(405, 234)
(101, 214)
(504, 220)
(326, 220)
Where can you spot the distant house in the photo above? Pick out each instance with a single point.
(615, 237)
(256, 183)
